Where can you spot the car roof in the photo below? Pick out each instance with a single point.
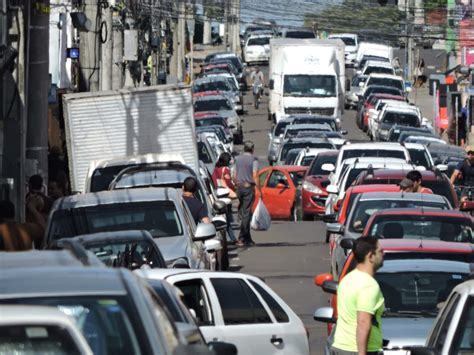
(117, 196)
(385, 76)
(427, 175)
(45, 258)
(263, 35)
(208, 79)
(206, 114)
(138, 159)
(378, 63)
(161, 274)
(201, 94)
(291, 168)
(422, 212)
(65, 281)
(303, 126)
(425, 245)
(416, 146)
(424, 265)
(374, 146)
(116, 236)
(358, 189)
(408, 196)
(26, 314)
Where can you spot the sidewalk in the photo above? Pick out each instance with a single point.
(421, 98)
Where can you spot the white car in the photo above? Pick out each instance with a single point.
(374, 112)
(394, 81)
(351, 46)
(453, 329)
(352, 168)
(39, 330)
(257, 49)
(405, 115)
(238, 309)
(306, 156)
(377, 67)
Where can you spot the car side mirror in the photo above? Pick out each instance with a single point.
(271, 84)
(442, 167)
(330, 287)
(232, 126)
(343, 132)
(204, 231)
(328, 167)
(219, 207)
(324, 314)
(222, 192)
(335, 228)
(361, 85)
(347, 243)
(212, 245)
(221, 348)
(321, 278)
(332, 189)
(220, 223)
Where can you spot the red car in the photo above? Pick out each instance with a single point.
(279, 185)
(398, 249)
(369, 104)
(311, 196)
(344, 206)
(207, 93)
(436, 181)
(416, 223)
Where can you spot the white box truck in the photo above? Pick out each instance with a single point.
(374, 51)
(307, 76)
(128, 122)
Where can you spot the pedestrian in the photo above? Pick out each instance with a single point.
(15, 236)
(246, 181)
(360, 303)
(197, 208)
(37, 201)
(56, 189)
(407, 185)
(221, 177)
(464, 171)
(417, 179)
(420, 67)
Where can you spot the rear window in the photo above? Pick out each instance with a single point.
(420, 158)
(398, 84)
(212, 105)
(280, 128)
(383, 153)
(218, 85)
(258, 41)
(378, 70)
(401, 118)
(315, 168)
(286, 148)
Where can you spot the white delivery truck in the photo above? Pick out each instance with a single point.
(374, 51)
(125, 123)
(307, 76)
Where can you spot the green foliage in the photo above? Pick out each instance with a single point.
(434, 4)
(213, 9)
(359, 17)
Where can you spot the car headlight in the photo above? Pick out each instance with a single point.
(179, 263)
(311, 188)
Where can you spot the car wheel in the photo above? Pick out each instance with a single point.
(269, 116)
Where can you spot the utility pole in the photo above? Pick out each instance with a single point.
(117, 53)
(106, 40)
(409, 46)
(181, 39)
(226, 24)
(90, 50)
(38, 87)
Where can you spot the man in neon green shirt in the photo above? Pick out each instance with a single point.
(360, 303)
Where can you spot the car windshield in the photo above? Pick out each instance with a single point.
(381, 90)
(36, 338)
(401, 118)
(348, 41)
(102, 177)
(260, 41)
(396, 132)
(315, 168)
(234, 60)
(210, 121)
(160, 218)
(419, 157)
(130, 254)
(316, 120)
(378, 70)
(204, 154)
(352, 175)
(307, 160)
(310, 85)
(363, 210)
(422, 227)
(212, 105)
(285, 149)
(280, 128)
(380, 153)
(108, 323)
(292, 155)
(217, 85)
(292, 133)
(416, 293)
(394, 83)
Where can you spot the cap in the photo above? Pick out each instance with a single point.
(406, 183)
(469, 148)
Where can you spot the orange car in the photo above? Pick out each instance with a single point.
(279, 185)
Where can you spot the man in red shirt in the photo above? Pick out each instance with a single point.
(417, 179)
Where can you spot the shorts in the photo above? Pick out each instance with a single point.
(336, 351)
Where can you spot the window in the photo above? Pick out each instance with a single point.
(36, 339)
(204, 154)
(310, 85)
(442, 326)
(239, 303)
(277, 310)
(463, 342)
(262, 177)
(276, 178)
(195, 297)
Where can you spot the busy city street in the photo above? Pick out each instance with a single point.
(225, 177)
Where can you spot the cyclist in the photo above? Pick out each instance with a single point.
(258, 81)
(464, 172)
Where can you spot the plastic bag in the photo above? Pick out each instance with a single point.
(261, 219)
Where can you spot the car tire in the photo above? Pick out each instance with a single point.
(239, 137)
(269, 116)
(223, 254)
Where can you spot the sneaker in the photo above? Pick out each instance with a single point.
(250, 244)
(240, 244)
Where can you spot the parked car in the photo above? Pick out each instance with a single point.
(451, 333)
(116, 312)
(161, 211)
(311, 195)
(131, 249)
(276, 138)
(367, 204)
(279, 184)
(257, 49)
(416, 276)
(39, 330)
(352, 95)
(239, 309)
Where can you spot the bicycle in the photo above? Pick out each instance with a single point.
(257, 93)
(465, 196)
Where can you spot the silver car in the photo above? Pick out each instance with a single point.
(412, 289)
(276, 139)
(161, 211)
(367, 204)
(351, 98)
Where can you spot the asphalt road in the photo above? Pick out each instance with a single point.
(290, 254)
